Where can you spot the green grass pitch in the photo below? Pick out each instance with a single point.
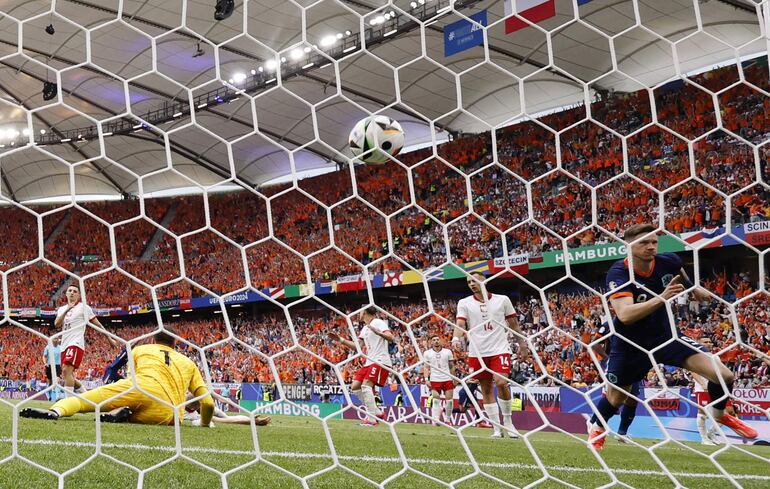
(299, 446)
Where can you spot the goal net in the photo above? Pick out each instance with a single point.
(184, 168)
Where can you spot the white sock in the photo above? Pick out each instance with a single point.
(505, 408)
(80, 389)
(371, 407)
(701, 422)
(435, 410)
(448, 409)
(493, 414)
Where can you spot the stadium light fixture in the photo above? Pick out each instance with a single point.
(42, 131)
(253, 72)
(49, 90)
(270, 64)
(25, 131)
(347, 33)
(328, 41)
(296, 54)
(413, 4)
(224, 9)
(239, 77)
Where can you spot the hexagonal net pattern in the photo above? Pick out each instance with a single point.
(184, 179)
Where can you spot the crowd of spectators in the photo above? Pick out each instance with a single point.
(286, 235)
(561, 332)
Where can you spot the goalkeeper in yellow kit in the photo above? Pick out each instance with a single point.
(161, 372)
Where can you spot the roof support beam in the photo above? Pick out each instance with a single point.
(248, 55)
(72, 145)
(740, 5)
(164, 95)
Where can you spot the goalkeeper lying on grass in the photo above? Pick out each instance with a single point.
(161, 371)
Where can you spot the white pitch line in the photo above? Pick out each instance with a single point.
(371, 458)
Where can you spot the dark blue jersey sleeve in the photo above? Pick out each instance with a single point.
(618, 281)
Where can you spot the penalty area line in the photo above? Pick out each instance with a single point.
(372, 458)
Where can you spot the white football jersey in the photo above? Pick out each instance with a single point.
(376, 346)
(74, 325)
(486, 323)
(438, 361)
(700, 383)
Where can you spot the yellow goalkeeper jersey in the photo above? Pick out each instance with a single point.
(173, 372)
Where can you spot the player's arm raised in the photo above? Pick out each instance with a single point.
(699, 292)
(339, 339)
(629, 312)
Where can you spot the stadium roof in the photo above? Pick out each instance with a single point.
(168, 71)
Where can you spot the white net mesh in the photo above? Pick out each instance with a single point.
(544, 136)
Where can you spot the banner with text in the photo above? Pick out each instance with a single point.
(463, 34)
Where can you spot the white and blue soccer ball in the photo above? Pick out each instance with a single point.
(375, 138)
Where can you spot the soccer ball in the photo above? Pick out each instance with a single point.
(374, 138)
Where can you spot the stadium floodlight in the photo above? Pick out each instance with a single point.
(328, 41)
(239, 77)
(296, 54)
(271, 64)
(42, 131)
(223, 9)
(49, 90)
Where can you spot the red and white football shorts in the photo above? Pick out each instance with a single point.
(72, 355)
(444, 386)
(499, 364)
(703, 399)
(374, 372)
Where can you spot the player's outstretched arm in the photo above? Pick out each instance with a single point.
(112, 340)
(341, 340)
(629, 312)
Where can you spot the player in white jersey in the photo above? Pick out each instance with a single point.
(438, 371)
(376, 335)
(703, 399)
(483, 317)
(73, 319)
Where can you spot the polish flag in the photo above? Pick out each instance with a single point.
(533, 10)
